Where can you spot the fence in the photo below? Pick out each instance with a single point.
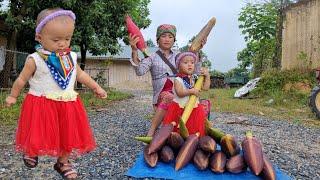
(11, 64)
(16, 60)
(100, 75)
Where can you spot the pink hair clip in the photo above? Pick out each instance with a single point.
(53, 15)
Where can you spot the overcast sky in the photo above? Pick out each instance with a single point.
(189, 16)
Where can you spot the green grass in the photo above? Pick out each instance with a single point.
(90, 101)
(293, 109)
(9, 116)
(290, 110)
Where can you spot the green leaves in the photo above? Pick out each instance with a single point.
(258, 23)
(103, 23)
(99, 23)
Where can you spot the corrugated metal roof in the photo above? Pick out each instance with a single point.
(123, 55)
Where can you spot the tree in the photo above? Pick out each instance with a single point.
(216, 73)
(261, 23)
(258, 24)
(277, 3)
(237, 72)
(150, 43)
(99, 23)
(246, 55)
(100, 28)
(206, 63)
(14, 22)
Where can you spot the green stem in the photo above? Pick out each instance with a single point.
(145, 139)
(249, 134)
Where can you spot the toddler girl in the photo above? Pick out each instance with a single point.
(53, 120)
(182, 89)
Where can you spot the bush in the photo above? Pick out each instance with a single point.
(280, 85)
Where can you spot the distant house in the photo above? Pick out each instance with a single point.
(116, 70)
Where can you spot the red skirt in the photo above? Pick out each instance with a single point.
(54, 128)
(195, 122)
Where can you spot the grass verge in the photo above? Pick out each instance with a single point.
(222, 101)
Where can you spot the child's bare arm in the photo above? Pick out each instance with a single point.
(85, 79)
(181, 92)
(26, 73)
(206, 83)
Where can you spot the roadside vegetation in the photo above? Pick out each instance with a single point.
(281, 95)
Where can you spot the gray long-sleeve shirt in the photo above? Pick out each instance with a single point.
(159, 71)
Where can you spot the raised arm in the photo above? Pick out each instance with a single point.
(141, 66)
(206, 84)
(133, 40)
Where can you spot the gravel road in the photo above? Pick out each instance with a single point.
(293, 148)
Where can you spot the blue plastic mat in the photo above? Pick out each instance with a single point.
(141, 170)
